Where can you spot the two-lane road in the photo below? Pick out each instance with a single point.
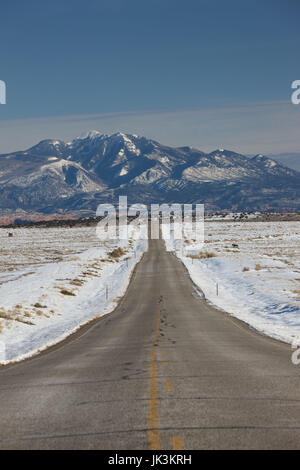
(165, 371)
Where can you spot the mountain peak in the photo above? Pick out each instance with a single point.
(51, 147)
(89, 135)
(259, 157)
(221, 150)
(265, 160)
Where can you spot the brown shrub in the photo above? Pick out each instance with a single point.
(117, 252)
(202, 255)
(67, 292)
(77, 282)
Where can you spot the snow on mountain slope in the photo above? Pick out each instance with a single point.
(64, 172)
(271, 166)
(98, 167)
(222, 165)
(288, 159)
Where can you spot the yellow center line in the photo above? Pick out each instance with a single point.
(169, 386)
(177, 443)
(153, 418)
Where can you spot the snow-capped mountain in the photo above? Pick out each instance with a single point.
(56, 176)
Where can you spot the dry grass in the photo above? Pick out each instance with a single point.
(74, 258)
(38, 305)
(202, 255)
(11, 316)
(67, 292)
(4, 315)
(258, 267)
(297, 293)
(117, 252)
(38, 312)
(77, 282)
(96, 265)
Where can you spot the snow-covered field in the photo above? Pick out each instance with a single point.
(251, 270)
(53, 280)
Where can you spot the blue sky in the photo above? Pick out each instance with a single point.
(207, 73)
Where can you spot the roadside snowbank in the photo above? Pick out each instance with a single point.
(254, 297)
(41, 309)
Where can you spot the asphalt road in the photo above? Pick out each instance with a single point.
(163, 371)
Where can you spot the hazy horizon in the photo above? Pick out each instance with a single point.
(205, 129)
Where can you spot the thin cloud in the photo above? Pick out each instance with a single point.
(258, 128)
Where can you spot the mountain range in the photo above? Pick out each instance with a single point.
(58, 177)
(290, 159)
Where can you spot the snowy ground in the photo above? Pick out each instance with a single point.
(53, 280)
(253, 273)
